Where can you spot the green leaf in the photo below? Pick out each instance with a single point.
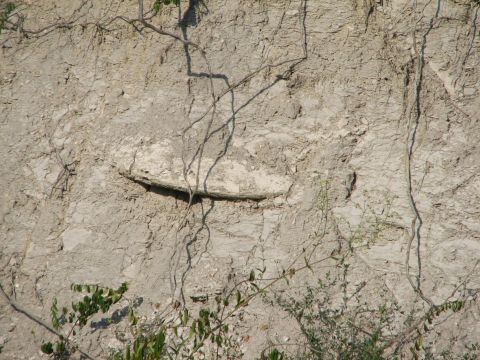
(419, 343)
(193, 329)
(201, 329)
(116, 298)
(54, 314)
(127, 353)
(9, 8)
(157, 5)
(239, 298)
(47, 348)
(139, 349)
(123, 288)
(159, 342)
(219, 340)
(274, 354)
(184, 317)
(132, 319)
(60, 347)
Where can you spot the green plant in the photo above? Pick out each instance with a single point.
(417, 346)
(336, 319)
(8, 9)
(158, 4)
(100, 299)
(182, 337)
(473, 352)
(185, 335)
(334, 331)
(351, 327)
(273, 354)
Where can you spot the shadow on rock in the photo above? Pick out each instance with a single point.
(117, 316)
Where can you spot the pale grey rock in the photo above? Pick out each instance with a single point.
(103, 101)
(469, 91)
(75, 237)
(161, 165)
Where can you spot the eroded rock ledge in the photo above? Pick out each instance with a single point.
(161, 165)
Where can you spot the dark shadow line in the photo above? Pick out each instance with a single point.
(192, 241)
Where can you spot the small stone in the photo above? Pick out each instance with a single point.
(469, 91)
(293, 110)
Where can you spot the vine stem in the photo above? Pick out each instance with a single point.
(412, 126)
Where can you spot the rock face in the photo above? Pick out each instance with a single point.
(161, 165)
(344, 121)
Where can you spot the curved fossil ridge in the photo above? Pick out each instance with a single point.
(160, 165)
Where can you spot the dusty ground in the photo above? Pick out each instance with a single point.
(341, 122)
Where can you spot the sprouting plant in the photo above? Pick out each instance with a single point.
(100, 299)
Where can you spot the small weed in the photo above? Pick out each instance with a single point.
(100, 299)
(273, 354)
(9, 7)
(159, 3)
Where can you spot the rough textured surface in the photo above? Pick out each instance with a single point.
(337, 123)
(161, 165)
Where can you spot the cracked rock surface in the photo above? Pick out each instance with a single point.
(83, 112)
(161, 165)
